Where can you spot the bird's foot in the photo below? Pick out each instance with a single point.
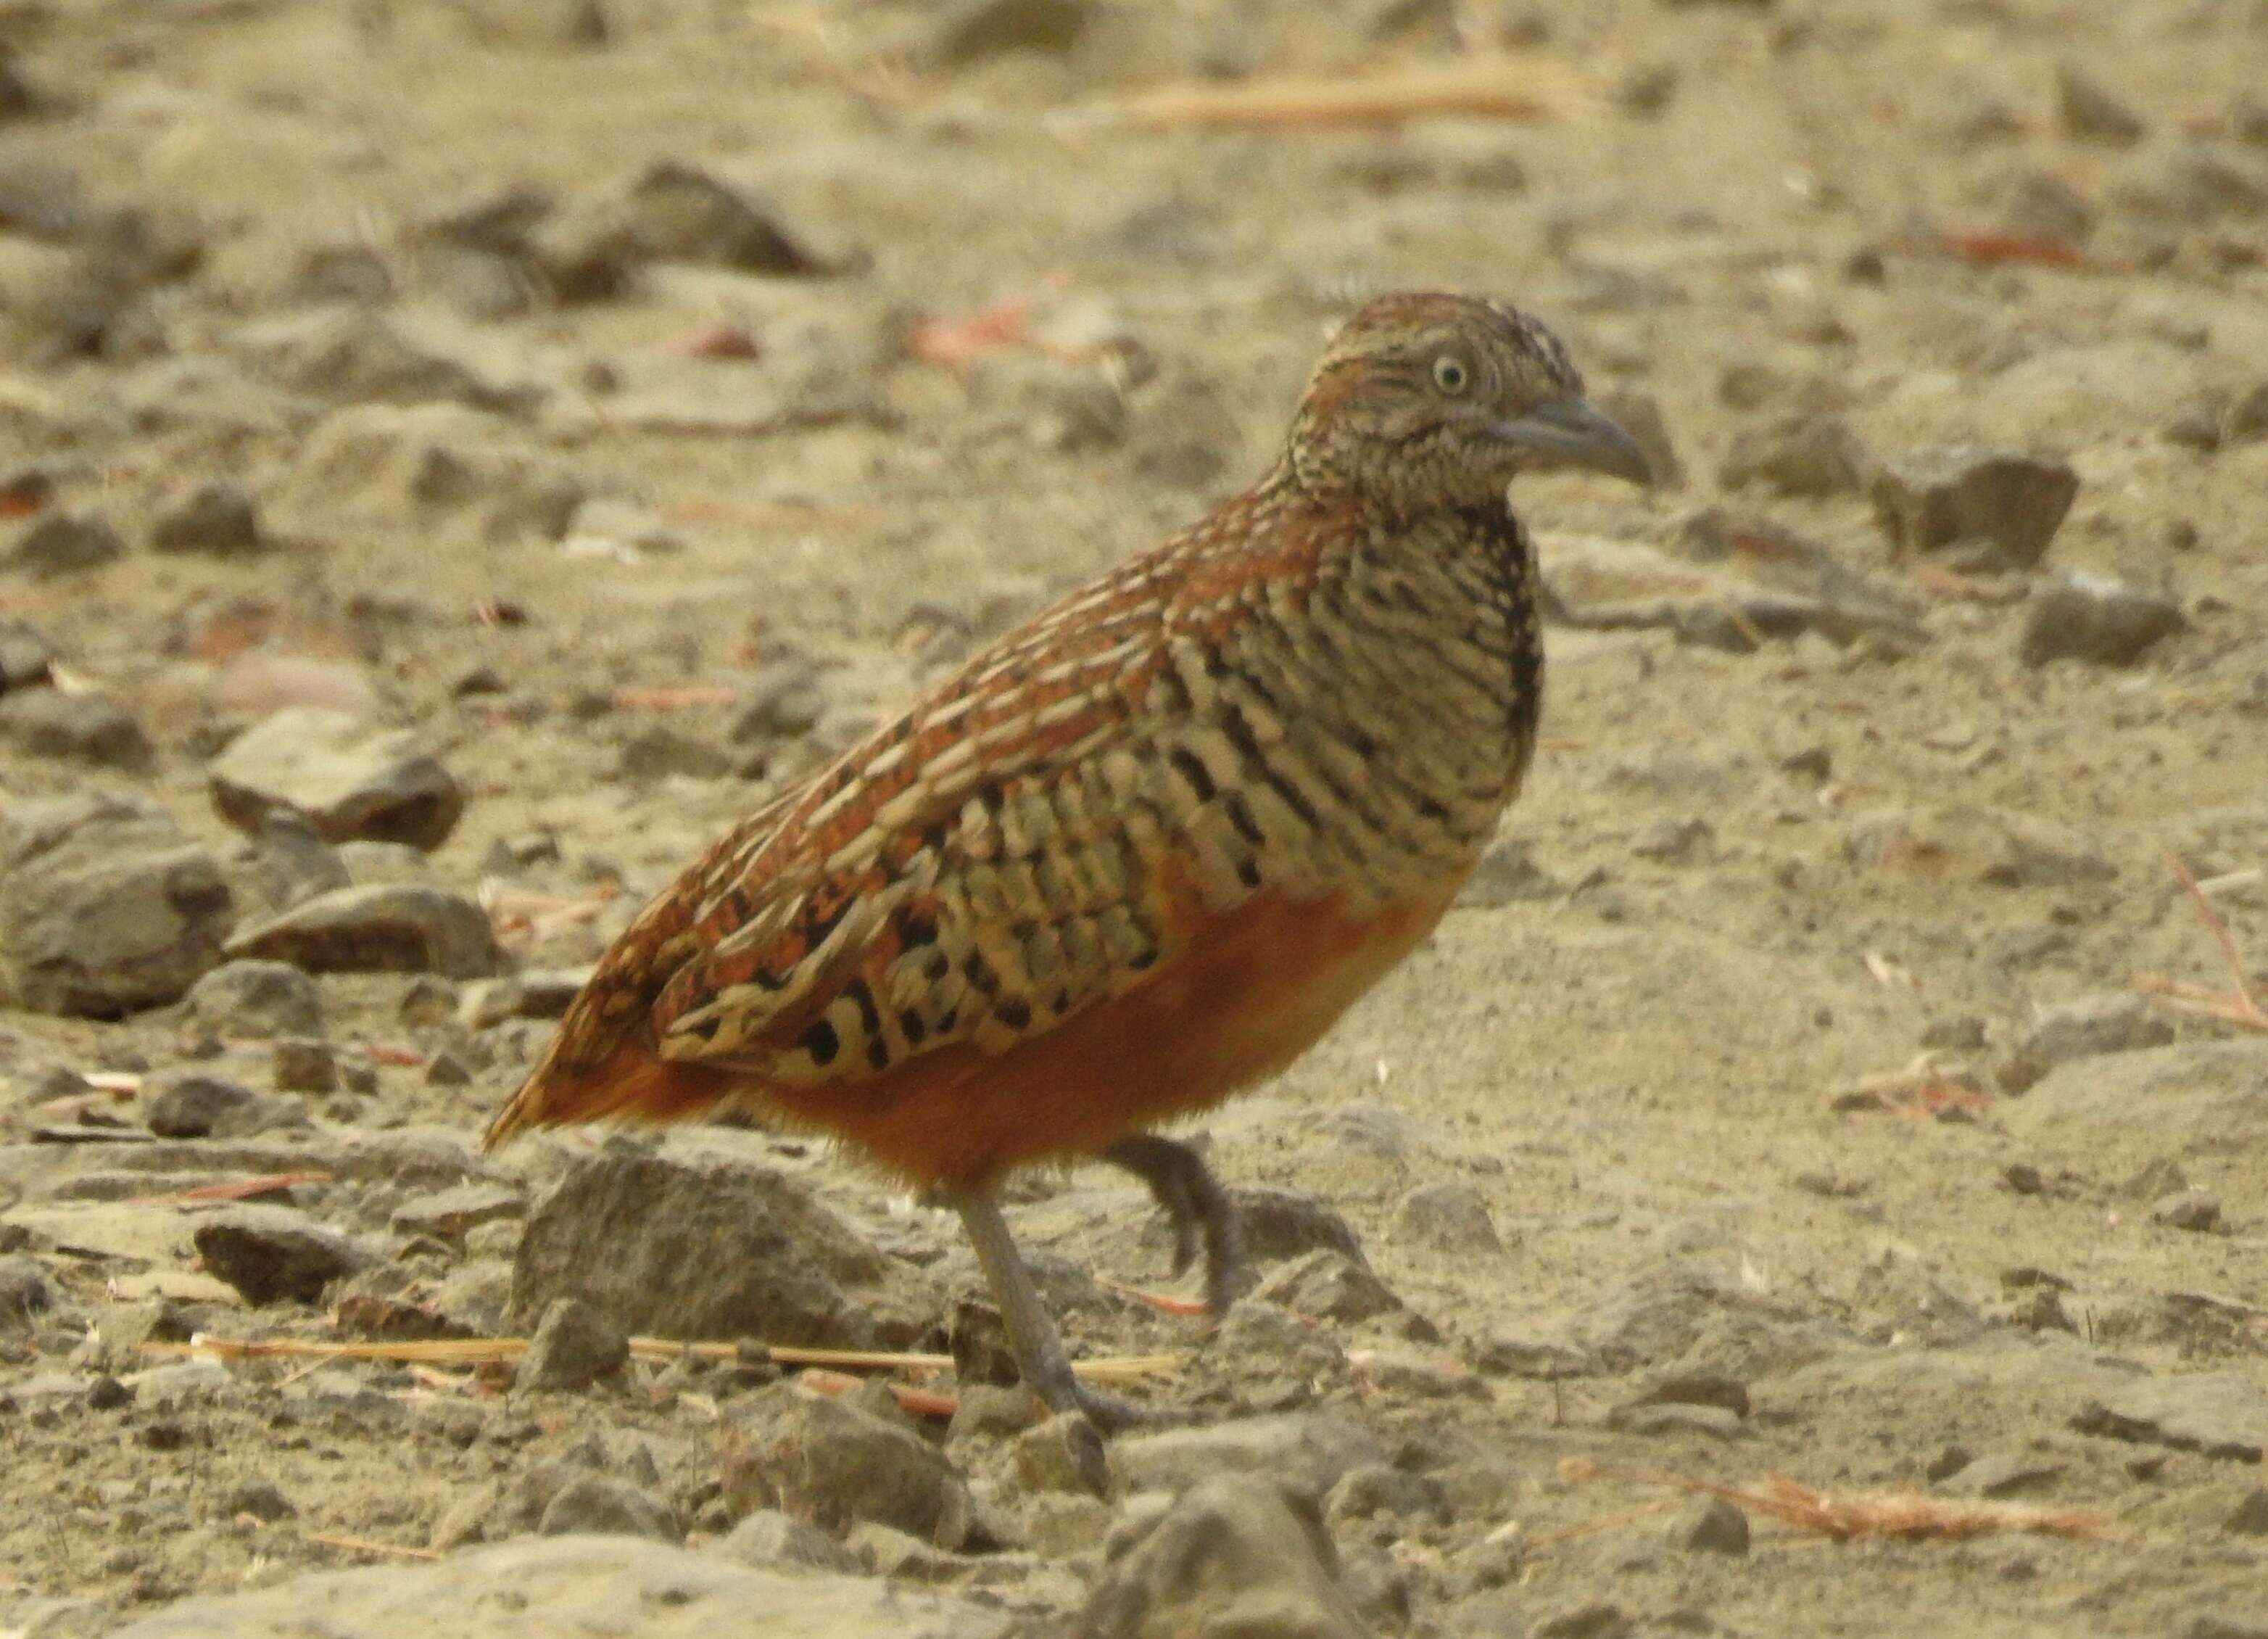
(1195, 1204)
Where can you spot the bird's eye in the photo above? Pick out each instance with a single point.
(1450, 374)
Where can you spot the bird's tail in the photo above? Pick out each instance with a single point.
(629, 1083)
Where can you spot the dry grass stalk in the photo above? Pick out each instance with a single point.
(234, 1189)
(489, 1351)
(1480, 88)
(1907, 1516)
(2240, 1007)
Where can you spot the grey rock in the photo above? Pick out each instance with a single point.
(678, 212)
(88, 728)
(2012, 502)
(291, 863)
(832, 1464)
(299, 1064)
(1506, 873)
(453, 1214)
(2193, 183)
(969, 30)
(27, 1291)
(1062, 1453)
(1999, 1475)
(540, 25)
(1280, 1223)
(278, 1254)
(2249, 1516)
(591, 1584)
(261, 1499)
(660, 753)
(1584, 1619)
(1669, 841)
(2096, 619)
(106, 906)
(572, 1348)
(354, 355)
(217, 519)
(189, 1104)
(1453, 1217)
(385, 929)
(1711, 1525)
(707, 1248)
(2197, 1211)
(786, 702)
(603, 1506)
(1331, 1285)
(770, 1538)
(61, 543)
(2118, 1021)
(2041, 205)
(255, 1002)
(2222, 1415)
(25, 660)
(1800, 456)
(2245, 420)
(347, 782)
(1305, 1453)
(1231, 1558)
(2085, 110)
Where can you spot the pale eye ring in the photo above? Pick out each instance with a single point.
(1450, 374)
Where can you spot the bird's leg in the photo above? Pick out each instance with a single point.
(1038, 1347)
(1197, 1206)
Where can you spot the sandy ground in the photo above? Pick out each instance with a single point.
(1739, 886)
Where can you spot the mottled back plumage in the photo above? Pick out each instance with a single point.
(1315, 703)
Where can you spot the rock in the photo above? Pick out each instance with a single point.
(678, 212)
(603, 1506)
(562, 1585)
(106, 906)
(570, 24)
(86, 728)
(662, 753)
(2222, 1415)
(344, 780)
(1305, 1453)
(460, 474)
(1331, 1285)
(2120, 1022)
(300, 1065)
(276, 1254)
(1506, 874)
(25, 660)
(2096, 619)
(355, 355)
(967, 30)
(2203, 1097)
(453, 1214)
(769, 1538)
(1934, 499)
(1063, 1453)
(706, 1248)
(1667, 841)
(2041, 205)
(1590, 1619)
(786, 702)
(1231, 1558)
(2086, 111)
(1799, 455)
(2245, 420)
(1961, 842)
(572, 1348)
(1453, 1217)
(255, 1002)
(385, 929)
(2193, 184)
(2197, 1211)
(26, 1291)
(259, 1498)
(188, 1104)
(59, 545)
(217, 519)
(1280, 1223)
(2249, 1516)
(829, 1464)
(1999, 1476)
(1710, 1525)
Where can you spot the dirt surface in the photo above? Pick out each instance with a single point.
(1784, 1099)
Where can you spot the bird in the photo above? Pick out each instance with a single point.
(1139, 853)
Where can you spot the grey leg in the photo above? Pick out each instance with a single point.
(1197, 1206)
(1038, 1347)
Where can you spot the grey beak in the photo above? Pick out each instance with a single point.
(1575, 432)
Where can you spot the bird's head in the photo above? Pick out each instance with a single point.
(1435, 400)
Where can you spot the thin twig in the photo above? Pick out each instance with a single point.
(2243, 1008)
